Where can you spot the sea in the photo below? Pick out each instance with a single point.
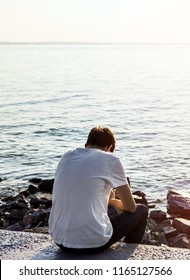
(51, 95)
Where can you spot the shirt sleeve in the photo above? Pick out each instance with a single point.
(118, 176)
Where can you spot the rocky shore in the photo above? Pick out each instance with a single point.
(29, 212)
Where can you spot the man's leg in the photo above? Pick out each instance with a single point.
(131, 226)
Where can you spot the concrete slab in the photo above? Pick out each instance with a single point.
(34, 246)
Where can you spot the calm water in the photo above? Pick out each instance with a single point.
(51, 96)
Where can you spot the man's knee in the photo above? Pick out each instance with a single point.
(142, 210)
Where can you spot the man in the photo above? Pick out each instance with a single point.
(86, 181)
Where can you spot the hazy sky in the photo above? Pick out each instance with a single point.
(95, 21)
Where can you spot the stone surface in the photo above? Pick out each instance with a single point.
(178, 203)
(46, 185)
(182, 225)
(158, 215)
(165, 223)
(180, 241)
(33, 246)
(169, 232)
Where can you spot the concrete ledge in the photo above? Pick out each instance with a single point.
(34, 246)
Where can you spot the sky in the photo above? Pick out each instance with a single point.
(103, 21)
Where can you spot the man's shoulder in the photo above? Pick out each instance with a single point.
(75, 152)
(109, 156)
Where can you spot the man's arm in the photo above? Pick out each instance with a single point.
(125, 200)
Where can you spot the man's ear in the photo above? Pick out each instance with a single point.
(109, 148)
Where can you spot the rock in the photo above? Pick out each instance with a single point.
(32, 189)
(1, 179)
(18, 202)
(14, 227)
(46, 185)
(2, 212)
(36, 201)
(158, 215)
(178, 203)
(140, 197)
(35, 181)
(21, 200)
(165, 223)
(4, 223)
(182, 225)
(154, 238)
(151, 224)
(149, 236)
(169, 232)
(17, 214)
(162, 239)
(27, 220)
(12, 205)
(25, 193)
(34, 218)
(180, 241)
(8, 198)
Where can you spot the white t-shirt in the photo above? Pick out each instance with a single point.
(83, 181)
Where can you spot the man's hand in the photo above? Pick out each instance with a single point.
(113, 201)
(122, 199)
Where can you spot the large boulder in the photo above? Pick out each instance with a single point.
(181, 241)
(178, 204)
(182, 225)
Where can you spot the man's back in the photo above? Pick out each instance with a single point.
(82, 185)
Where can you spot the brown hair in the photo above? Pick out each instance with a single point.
(101, 137)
